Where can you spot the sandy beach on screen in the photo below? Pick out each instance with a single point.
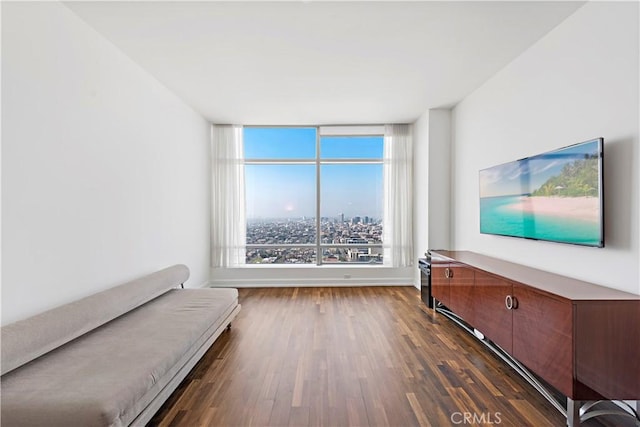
(583, 208)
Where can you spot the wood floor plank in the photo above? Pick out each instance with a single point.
(422, 418)
(333, 356)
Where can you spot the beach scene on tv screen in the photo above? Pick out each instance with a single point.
(553, 196)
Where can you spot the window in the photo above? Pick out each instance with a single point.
(314, 195)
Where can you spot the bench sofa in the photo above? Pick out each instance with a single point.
(113, 358)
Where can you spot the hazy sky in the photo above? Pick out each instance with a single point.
(280, 191)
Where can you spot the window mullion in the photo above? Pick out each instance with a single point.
(352, 161)
(279, 162)
(318, 252)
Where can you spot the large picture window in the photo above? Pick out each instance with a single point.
(314, 195)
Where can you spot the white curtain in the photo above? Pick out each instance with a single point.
(398, 196)
(228, 225)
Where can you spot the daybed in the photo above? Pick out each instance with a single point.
(113, 358)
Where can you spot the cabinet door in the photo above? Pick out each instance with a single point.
(492, 317)
(440, 282)
(607, 348)
(542, 336)
(461, 291)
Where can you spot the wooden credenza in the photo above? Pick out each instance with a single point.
(581, 338)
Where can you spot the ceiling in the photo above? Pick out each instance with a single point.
(275, 63)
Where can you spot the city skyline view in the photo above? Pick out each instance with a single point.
(342, 241)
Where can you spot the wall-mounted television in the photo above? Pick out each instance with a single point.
(555, 196)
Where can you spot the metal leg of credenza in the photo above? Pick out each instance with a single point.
(573, 412)
(588, 410)
(580, 410)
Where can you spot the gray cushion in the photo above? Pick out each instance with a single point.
(27, 339)
(106, 377)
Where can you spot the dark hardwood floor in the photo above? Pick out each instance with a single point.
(367, 356)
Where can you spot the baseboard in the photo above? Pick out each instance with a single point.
(317, 282)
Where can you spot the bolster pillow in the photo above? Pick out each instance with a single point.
(27, 339)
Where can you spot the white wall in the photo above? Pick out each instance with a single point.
(578, 82)
(440, 178)
(432, 182)
(104, 171)
(421, 176)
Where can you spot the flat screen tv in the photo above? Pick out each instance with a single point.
(555, 196)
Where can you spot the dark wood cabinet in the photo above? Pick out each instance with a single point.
(461, 291)
(581, 338)
(452, 285)
(492, 318)
(542, 336)
(440, 288)
(617, 325)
